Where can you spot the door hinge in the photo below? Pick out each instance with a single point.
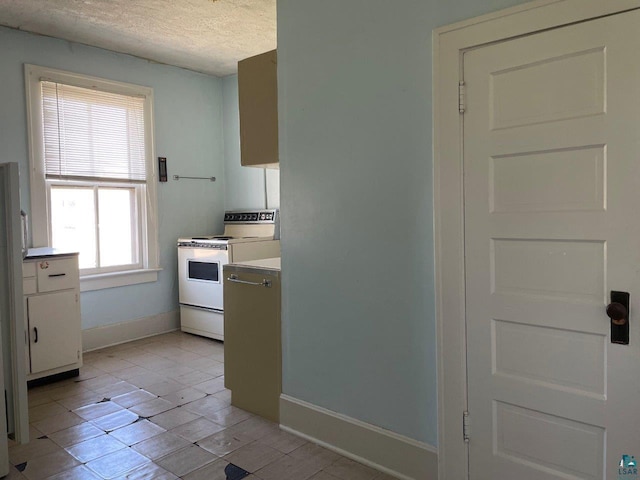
(466, 426)
(461, 97)
(78, 354)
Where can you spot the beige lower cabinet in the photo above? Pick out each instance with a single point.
(252, 347)
(52, 316)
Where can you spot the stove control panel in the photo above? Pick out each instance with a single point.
(250, 216)
(196, 243)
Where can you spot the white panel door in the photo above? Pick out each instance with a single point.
(552, 225)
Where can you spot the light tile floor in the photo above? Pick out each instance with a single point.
(157, 409)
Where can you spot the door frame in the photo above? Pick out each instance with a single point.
(449, 44)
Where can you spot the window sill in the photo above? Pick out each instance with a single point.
(118, 279)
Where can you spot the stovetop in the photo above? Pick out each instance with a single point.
(218, 240)
(239, 227)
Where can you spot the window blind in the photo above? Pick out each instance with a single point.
(91, 134)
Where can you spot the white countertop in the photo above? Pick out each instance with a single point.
(47, 252)
(270, 263)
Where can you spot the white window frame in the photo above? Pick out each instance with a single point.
(40, 214)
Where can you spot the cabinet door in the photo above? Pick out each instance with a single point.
(252, 361)
(54, 330)
(258, 103)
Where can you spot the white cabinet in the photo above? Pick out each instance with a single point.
(52, 305)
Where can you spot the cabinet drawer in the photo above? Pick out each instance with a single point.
(28, 269)
(57, 274)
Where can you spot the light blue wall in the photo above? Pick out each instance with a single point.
(244, 186)
(188, 131)
(354, 83)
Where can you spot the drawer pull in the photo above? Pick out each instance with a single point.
(57, 275)
(264, 283)
(35, 330)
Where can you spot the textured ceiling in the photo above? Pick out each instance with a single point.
(208, 36)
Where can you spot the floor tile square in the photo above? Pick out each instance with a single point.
(254, 456)
(282, 441)
(38, 398)
(315, 454)
(186, 460)
(346, 468)
(112, 365)
(35, 448)
(42, 467)
(117, 463)
(194, 378)
(116, 389)
(46, 410)
(152, 407)
(224, 395)
(57, 423)
(175, 372)
(83, 399)
(145, 379)
(68, 390)
(95, 448)
(89, 412)
(224, 442)
(100, 381)
(115, 420)
(206, 406)
(212, 471)
(185, 395)
(133, 398)
(130, 372)
(76, 434)
(137, 432)
(322, 475)
(215, 368)
(76, 473)
(289, 468)
(165, 387)
(88, 372)
(229, 416)
(254, 427)
(160, 445)
(197, 429)
(149, 471)
(211, 386)
(174, 417)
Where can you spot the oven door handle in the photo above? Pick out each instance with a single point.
(263, 283)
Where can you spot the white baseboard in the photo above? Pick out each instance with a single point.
(108, 335)
(389, 452)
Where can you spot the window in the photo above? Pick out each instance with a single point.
(92, 175)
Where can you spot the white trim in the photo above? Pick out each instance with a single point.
(118, 279)
(449, 43)
(40, 215)
(389, 452)
(109, 335)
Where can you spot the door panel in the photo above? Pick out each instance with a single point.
(54, 317)
(551, 191)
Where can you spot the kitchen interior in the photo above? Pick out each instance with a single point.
(179, 377)
(360, 370)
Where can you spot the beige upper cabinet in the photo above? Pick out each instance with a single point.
(258, 97)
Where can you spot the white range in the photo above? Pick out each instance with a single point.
(248, 235)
